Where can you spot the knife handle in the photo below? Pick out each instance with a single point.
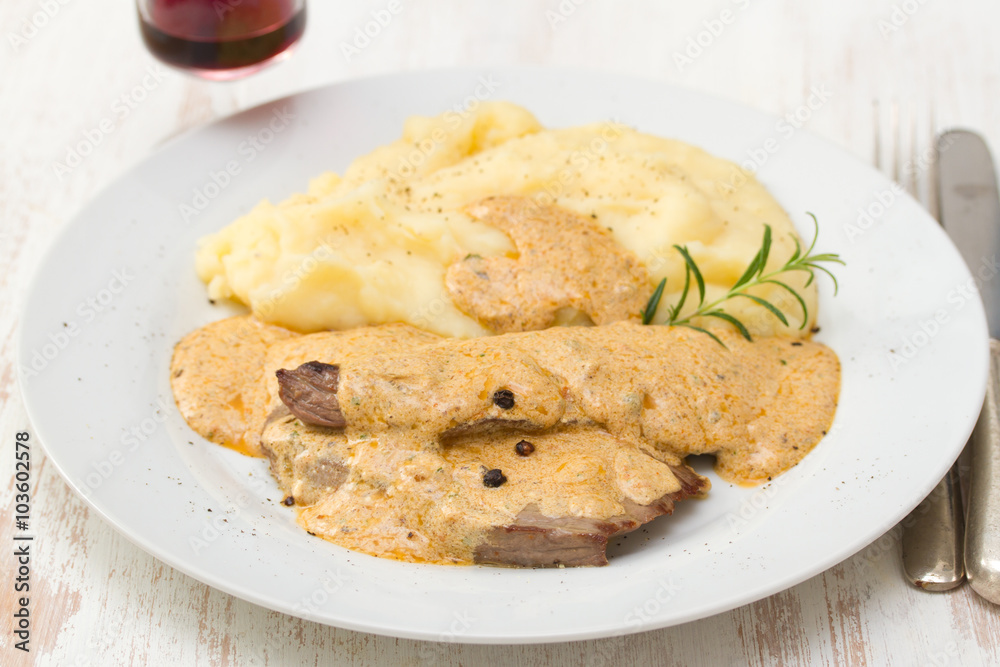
(932, 538)
(982, 528)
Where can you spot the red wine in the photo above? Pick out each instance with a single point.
(221, 39)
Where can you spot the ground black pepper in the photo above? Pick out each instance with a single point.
(289, 500)
(524, 448)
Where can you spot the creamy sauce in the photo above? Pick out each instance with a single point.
(759, 407)
(566, 268)
(605, 408)
(430, 505)
(217, 374)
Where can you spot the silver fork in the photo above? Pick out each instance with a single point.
(933, 533)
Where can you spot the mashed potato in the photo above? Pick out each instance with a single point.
(373, 246)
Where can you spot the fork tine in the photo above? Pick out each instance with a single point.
(913, 184)
(933, 203)
(896, 167)
(877, 136)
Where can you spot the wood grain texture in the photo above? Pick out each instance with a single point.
(99, 600)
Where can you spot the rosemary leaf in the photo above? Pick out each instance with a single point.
(815, 233)
(767, 304)
(684, 293)
(802, 303)
(653, 303)
(706, 332)
(722, 315)
(798, 250)
(836, 287)
(826, 257)
(765, 250)
(749, 273)
(697, 274)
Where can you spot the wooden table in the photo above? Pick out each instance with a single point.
(65, 66)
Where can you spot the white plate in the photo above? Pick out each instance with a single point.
(118, 289)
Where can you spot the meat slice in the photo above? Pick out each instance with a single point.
(559, 506)
(308, 462)
(429, 468)
(758, 406)
(536, 540)
(310, 392)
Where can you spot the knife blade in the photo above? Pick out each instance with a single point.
(970, 212)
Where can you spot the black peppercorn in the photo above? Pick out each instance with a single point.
(289, 500)
(503, 399)
(493, 478)
(524, 448)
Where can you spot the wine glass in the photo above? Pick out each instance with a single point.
(221, 39)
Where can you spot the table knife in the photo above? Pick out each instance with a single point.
(970, 212)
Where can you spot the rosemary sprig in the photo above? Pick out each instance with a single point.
(752, 277)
